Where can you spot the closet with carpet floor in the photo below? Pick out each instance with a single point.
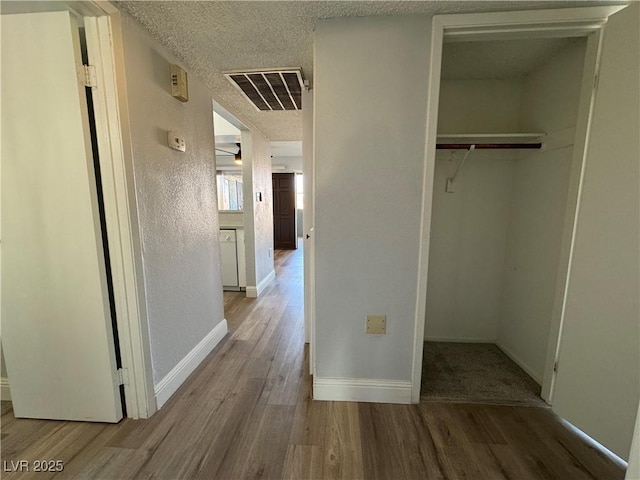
(504, 196)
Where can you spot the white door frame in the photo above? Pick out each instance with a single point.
(104, 45)
(568, 22)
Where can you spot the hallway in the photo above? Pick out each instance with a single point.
(246, 413)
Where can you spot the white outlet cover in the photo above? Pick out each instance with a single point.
(176, 141)
(376, 324)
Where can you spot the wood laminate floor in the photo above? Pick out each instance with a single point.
(246, 413)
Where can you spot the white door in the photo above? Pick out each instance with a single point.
(598, 382)
(56, 325)
(308, 220)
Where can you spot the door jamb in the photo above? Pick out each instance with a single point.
(104, 43)
(567, 22)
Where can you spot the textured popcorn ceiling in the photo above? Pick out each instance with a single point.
(214, 37)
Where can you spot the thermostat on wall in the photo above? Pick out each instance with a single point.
(179, 84)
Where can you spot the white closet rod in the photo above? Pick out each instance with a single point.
(488, 146)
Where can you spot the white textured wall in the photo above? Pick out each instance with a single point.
(552, 92)
(371, 80)
(176, 202)
(469, 227)
(598, 382)
(468, 238)
(541, 183)
(479, 106)
(633, 471)
(228, 219)
(258, 216)
(290, 163)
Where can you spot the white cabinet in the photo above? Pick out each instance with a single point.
(229, 258)
(234, 275)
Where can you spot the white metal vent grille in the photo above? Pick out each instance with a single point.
(277, 89)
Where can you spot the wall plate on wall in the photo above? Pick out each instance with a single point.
(179, 83)
(176, 141)
(377, 324)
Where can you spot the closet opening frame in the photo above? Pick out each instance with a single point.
(559, 23)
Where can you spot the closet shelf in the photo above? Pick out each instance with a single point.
(455, 141)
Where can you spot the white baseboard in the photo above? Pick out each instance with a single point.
(520, 363)
(176, 377)
(459, 339)
(253, 292)
(5, 393)
(361, 390)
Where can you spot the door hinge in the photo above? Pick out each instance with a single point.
(123, 376)
(555, 367)
(87, 75)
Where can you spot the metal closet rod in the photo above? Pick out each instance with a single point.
(488, 146)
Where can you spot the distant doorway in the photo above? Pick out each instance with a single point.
(284, 211)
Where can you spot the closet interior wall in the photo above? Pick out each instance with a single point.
(495, 242)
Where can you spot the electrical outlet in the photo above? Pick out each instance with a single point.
(377, 324)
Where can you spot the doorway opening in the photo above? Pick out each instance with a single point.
(285, 231)
(504, 198)
(231, 198)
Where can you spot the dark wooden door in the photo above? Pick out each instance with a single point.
(284, 211)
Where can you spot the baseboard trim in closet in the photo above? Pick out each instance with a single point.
(459, 339)
(520, 363)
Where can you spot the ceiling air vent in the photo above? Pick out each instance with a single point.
(277, 89)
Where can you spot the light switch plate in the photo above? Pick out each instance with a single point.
(377, 324)
(176, 141)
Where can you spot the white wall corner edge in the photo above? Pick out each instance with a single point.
(178, 374)
(5, 392)
(253, 292)
(520, 363)
(362, 390)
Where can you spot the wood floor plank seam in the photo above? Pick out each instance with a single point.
(247, 412)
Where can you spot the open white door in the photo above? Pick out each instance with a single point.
(56, 324)
(308, 221)
(598, 381)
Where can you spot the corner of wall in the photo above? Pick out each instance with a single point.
(179, 374)
(254, 292)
